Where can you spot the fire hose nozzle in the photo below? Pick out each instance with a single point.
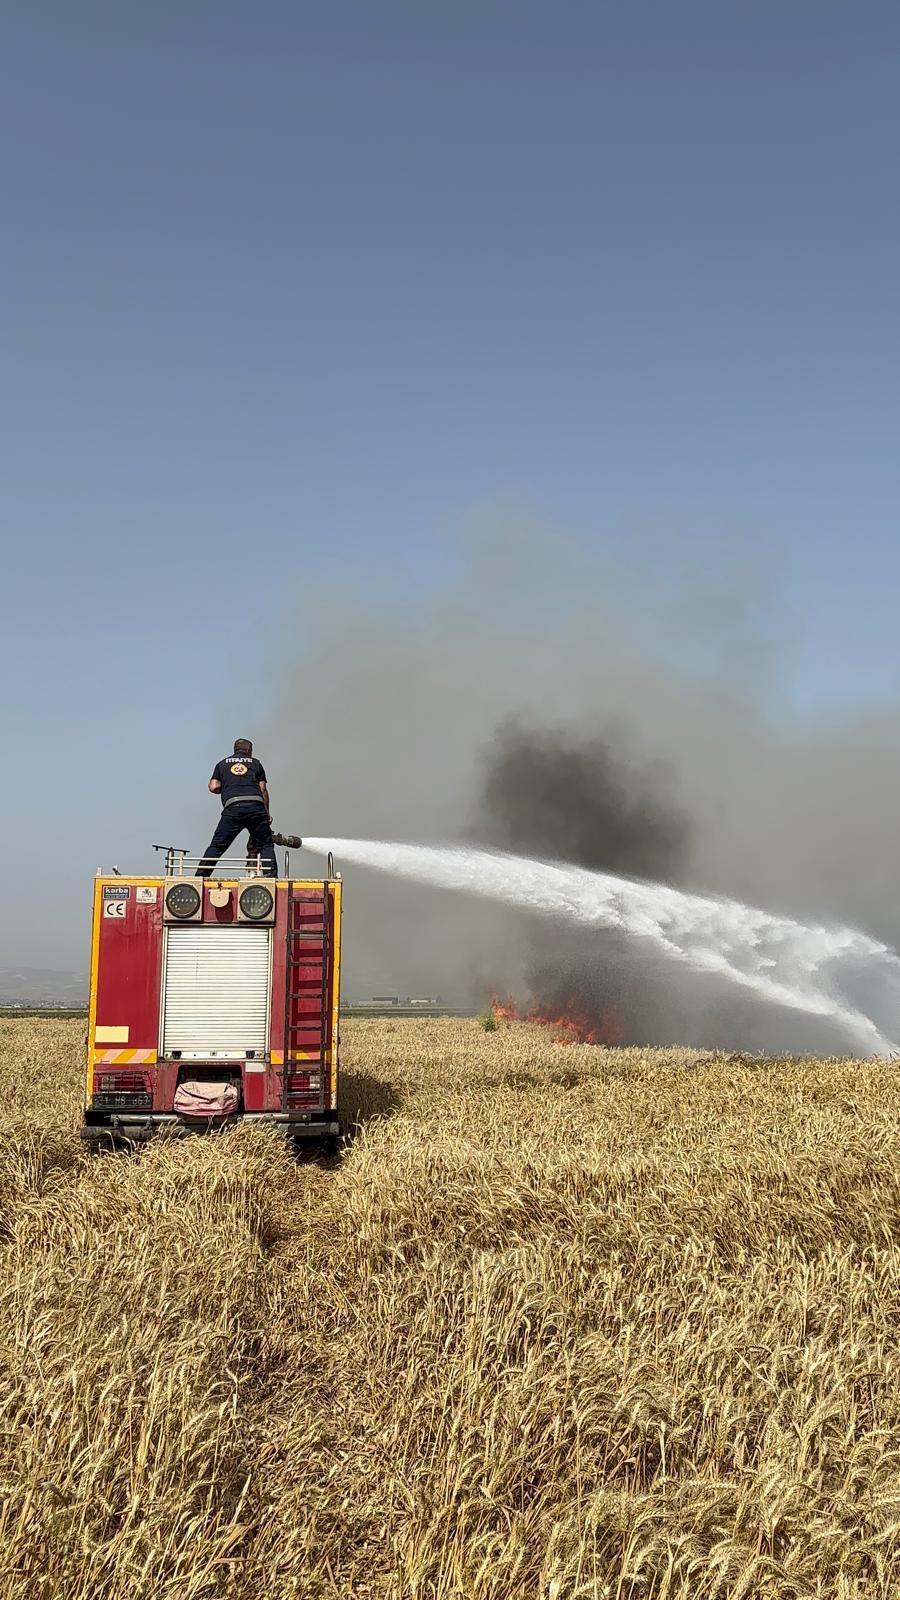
(291, 841)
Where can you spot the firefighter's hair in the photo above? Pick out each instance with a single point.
(243, 747)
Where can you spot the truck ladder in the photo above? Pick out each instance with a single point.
(306, 1012)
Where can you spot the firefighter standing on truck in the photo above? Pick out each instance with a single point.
(241, 781)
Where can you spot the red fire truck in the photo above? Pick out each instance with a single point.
(212, 1000)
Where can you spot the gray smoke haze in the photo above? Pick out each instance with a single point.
(551, 703)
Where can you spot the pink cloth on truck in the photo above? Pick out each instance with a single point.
(198, 1099)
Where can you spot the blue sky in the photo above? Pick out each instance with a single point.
(290, 290)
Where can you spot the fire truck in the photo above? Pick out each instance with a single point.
(213, 1000)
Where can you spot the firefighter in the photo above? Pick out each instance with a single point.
(241, 781)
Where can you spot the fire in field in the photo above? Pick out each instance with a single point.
(571, 1024)
(561, 1320)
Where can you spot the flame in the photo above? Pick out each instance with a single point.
(572, 1024)
(505, 1010)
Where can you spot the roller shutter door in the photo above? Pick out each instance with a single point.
(216, 989)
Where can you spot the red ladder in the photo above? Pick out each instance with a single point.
(307, 1020)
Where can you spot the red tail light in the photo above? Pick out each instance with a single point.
(113, 1089)
(304, 1082)
(121, 1082)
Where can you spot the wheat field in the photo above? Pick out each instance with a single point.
(562, 1322)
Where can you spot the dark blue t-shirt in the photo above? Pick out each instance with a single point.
(240, 777)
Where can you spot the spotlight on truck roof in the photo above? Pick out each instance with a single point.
(183, 902)
(256, 903)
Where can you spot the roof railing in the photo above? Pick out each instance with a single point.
(180, 864)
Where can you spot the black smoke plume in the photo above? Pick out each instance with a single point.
(549, 793)
(553, 794)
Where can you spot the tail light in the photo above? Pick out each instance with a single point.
(113, 1089)
(303, 1082)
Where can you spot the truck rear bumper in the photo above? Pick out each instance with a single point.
(137, 1130)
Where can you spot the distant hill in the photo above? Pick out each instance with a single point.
(41, 986)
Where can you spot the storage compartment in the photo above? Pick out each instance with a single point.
(216, 990)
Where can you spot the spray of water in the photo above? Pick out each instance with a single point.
(807, 967)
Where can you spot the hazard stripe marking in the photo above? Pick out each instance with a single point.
(121, 1058)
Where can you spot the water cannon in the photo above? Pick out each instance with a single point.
(292, 841)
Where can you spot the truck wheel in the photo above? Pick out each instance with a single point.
(326, 1148)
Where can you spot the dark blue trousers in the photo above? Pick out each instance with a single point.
(249, 814)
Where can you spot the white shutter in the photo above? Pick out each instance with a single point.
(216, 995)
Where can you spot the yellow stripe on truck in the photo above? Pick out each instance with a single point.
(122, 1058)
(92, 1002)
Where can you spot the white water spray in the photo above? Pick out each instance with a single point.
(808, 967)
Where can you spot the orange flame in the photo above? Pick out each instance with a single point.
(572, 1025)
(504, 1010)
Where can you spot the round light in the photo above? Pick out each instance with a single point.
(256, 903)
(183, 900)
